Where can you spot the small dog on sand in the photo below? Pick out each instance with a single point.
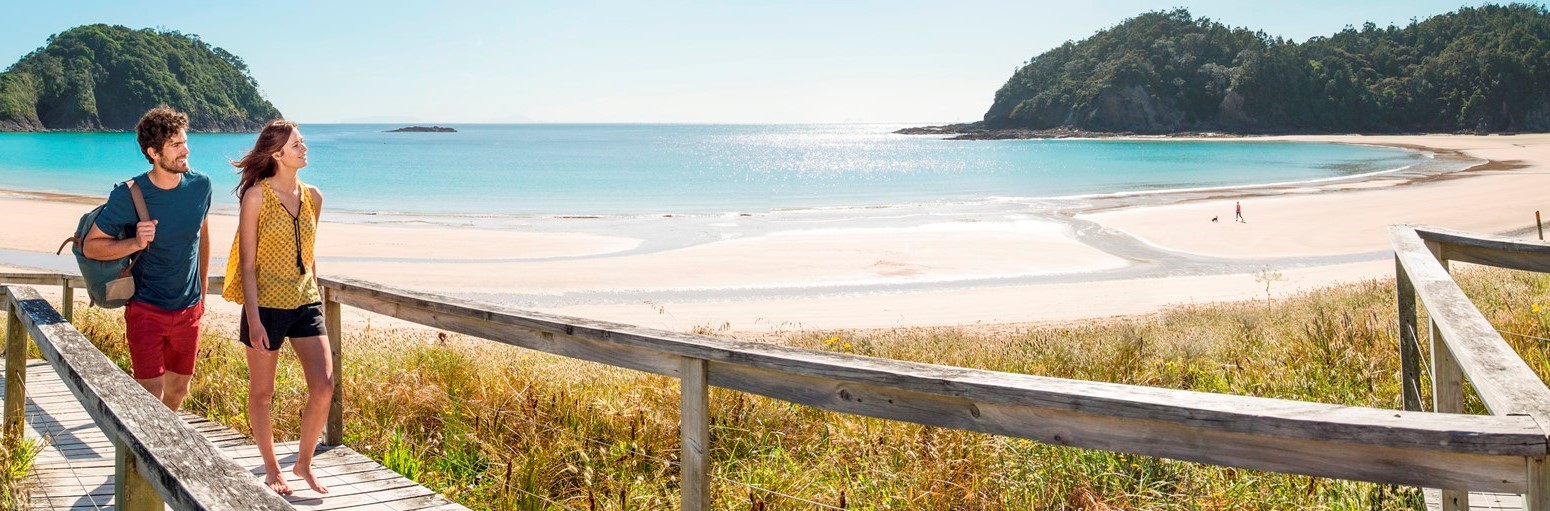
(1213, 219)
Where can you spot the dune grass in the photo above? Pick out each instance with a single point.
(16, 461)
(15, 465)
(496, 427)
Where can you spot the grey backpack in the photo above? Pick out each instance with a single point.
(108, 283)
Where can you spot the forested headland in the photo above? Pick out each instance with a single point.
(1479, 69)
(103, 77)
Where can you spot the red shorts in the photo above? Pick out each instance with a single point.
(162, 340)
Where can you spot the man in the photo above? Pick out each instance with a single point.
(162, 319)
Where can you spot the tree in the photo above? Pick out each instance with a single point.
(102, 77)
(1476, 69)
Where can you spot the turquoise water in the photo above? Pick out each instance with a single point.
(626, 170)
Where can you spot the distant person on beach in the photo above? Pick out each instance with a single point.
(1238, 207)
(272, 272)
(161, 320)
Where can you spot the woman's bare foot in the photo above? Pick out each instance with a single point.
(276, 482)
(305, 473)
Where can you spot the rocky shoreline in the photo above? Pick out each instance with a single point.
(11, 127)
(977, 131)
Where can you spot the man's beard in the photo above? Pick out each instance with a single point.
(173, 165)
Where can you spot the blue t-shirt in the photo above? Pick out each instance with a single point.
(167, 275)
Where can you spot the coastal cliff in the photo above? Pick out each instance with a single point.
(1473, 70)
(103, 78)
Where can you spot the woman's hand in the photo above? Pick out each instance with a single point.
(258, 338)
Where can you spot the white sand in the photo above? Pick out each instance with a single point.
(933, 273)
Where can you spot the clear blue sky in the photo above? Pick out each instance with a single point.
(655, 61)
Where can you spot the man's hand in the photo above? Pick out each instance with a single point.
(145, 233)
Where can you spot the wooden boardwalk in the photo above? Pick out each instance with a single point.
(75, 469)
(1479, 501)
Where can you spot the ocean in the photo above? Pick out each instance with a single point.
(643, 170)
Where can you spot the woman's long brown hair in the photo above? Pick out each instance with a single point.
(259, 163)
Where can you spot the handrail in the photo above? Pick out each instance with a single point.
(1463, 343)
(1505, 383)
(160, 458)
(1485, 249)
(1385, 446)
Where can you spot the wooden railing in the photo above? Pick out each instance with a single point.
(1447, 450)
(1463, 343)
(1502, 452)
(159, 459)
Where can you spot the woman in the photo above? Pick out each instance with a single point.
(272, 273)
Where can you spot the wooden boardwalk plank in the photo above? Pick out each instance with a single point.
(1478, 501)
(74, 471)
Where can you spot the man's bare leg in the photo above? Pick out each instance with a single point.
(152, 385)
(174, 389)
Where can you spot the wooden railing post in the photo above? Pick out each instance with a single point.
(1409, 345)
(333, 433)
(1538, 496)
(694, 417)
(131, 491)
(67, 299)
(1447, 397)
(15, 373)
(1439, 253)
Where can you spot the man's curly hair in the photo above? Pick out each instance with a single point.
(158, 125)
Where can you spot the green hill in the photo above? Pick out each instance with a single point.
(1484, 69)
(102, 77)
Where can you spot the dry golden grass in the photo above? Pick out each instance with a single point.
(14, 466)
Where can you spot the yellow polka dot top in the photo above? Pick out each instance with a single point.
(282, 283)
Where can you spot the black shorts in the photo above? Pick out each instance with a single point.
(304, 321)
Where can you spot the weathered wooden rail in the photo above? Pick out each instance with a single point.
(159, 459)
(1502, 452)
(1463, 343)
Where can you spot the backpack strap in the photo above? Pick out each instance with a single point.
(139, 200)
(145, 216)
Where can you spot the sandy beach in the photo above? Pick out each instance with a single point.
(1114, 256)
